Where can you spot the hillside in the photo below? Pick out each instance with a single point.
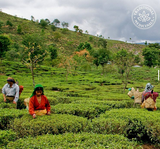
(66, 40)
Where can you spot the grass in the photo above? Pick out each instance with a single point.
(68, 41)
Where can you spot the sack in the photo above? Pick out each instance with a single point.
(26, 103)
(149, 103)
(137, 97)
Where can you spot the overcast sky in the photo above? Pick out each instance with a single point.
(109, 18)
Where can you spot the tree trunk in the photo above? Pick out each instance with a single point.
(32, 74)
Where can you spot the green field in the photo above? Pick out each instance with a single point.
(88, 110)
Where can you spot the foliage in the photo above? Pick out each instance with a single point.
(5, 41)
(65, 24)
(43, 23)
(19, 29)
(56, 22)
(124, 60)
(102, 56)
(12, 54)
(53, 27)
(9, 23)
(72, 141)
(1, 24)
(8, 115)
(53, 51)
(90, 111)
(53, 124)
(57, 36)
(76, 28)
(150, 56)
(6, 137)
(102, 43)
(33, 52)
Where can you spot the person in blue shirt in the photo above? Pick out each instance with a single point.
(10, 91)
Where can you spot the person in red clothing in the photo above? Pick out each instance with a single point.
(38, 103)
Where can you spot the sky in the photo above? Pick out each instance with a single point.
(112, 19)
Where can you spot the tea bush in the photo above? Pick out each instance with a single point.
(6, 136)
(52, 124)
(85, 110)
(8, 115)
(134, 123)
(72, 141)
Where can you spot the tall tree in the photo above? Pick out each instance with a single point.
(56, 22)
(33, 52)
(65, 24)
(76, 28)
(32, 19)
(124, 61)
(48, 21)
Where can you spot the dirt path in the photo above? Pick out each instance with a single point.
(147, 146)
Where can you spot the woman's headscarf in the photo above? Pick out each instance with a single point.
(36, 87)
(10, 79)
(148, 87)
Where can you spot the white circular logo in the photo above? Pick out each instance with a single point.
(143, 17)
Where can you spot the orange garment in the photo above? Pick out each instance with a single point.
(35, 105)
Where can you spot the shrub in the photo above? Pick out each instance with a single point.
(7, 105)
(72, 141)
(53, 124)
(85, 110)
(8, 115)
(6, 137)
(134, 123)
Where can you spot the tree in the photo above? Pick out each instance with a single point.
(48, 21)
(53, 52)
(1, 23)
(150, 56)
(56, 22)
(53, 27)
(33, 52)
(43, 23)
(80, 31)
(145, 43)
(76, 28)
(124, 61)
(102, 43)
(19, 29)
(65, 24)
(67, 63)
(4, 44)
(86, 32)
(32, 19)
(102, 56)
(9, 23)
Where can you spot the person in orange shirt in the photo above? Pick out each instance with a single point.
(38, 103)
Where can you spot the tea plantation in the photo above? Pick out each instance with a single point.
(88, 110)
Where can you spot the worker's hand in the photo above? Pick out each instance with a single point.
(14, 102)
(49, 113)
(34, 115)
(5, 100)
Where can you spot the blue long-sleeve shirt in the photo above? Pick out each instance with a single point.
(11, 91)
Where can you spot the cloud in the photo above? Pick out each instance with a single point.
(107, 18)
